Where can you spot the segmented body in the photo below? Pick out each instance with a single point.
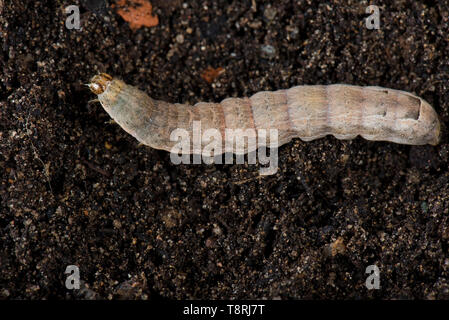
(305, 112)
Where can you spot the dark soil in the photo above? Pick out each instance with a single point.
(78, 190)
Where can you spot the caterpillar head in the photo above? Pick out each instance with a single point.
(99, 83)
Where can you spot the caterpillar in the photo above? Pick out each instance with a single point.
(307, 112)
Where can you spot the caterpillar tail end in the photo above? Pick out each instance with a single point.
(99, 83)
(428, 116)
(438, 134)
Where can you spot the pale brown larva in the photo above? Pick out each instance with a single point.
(307, 112)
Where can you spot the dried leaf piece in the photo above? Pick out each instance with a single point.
(210, 74)
(137, 13)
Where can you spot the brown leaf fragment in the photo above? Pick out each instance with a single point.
(210, 74)
(138, 13)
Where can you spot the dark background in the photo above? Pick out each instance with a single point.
(76, 189)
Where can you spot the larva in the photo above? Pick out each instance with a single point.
(305, 112)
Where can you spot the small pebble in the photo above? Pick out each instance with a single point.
(269, 13)
(180, 38)
(268, 51)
